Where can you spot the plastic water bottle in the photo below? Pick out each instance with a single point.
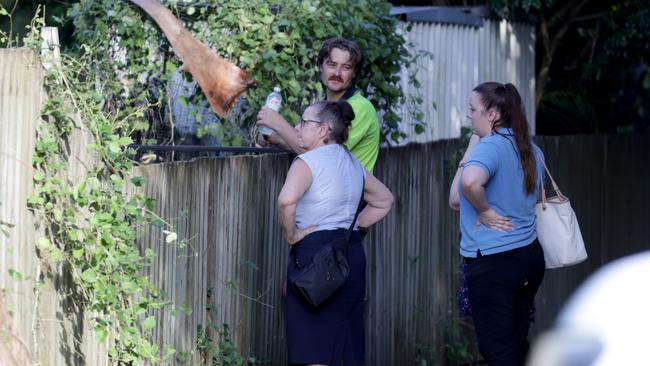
(273, 101)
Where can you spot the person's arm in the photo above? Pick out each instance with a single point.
(472, 183)
(272, 119)
(454, 199)
(298, 181)
(272, 140)
(379, 199)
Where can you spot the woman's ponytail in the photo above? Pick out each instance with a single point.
(507, 101)
(519, 125)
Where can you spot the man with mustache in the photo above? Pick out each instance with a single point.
(339, 62)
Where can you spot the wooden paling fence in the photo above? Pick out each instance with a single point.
(47, 319)
(228, 264)
(235, 258)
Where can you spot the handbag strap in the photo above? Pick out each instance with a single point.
(344, 246)
(358, 211)
(558, 193)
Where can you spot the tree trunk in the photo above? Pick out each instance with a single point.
(563, 18)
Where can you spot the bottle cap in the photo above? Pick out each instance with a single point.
(276, 89)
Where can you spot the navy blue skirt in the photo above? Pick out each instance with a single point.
(333, 333)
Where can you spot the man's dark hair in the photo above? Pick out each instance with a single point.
(356, 56)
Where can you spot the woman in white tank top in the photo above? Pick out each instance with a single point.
(317, 204)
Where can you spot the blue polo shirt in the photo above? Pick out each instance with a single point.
(497, 155)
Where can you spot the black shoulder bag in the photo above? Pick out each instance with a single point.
(327, 271)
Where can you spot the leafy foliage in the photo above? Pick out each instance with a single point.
(569, 112)
(276, 42)
(214, 342)
(504, 7)
(91, 221)
(593, 53)
(619, 67)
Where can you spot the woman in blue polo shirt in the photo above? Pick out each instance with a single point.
(496, 189)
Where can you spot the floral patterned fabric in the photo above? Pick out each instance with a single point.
(464, 308)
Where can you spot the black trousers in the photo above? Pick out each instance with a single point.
(502, 289)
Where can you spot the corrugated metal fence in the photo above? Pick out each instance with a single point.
(463, 57)
(232, 258)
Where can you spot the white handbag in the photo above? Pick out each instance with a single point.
(557, 229)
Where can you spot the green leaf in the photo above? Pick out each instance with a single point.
(35, 199)
(125, 140)
(101, 333)
(170, 66)
(129, 287)
(117, 180)
(149, 323)
(114, 148)
(169, 352)
(76, 235)
(44, 243)
(155, 221)
(186, 308)
(57, 254)
(17, 276)
(138, 181)
(141, 125)
(268, 19)
(89, 276)
(78, 253)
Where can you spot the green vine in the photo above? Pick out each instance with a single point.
(8, 38)
(215, 344)
(91, 221)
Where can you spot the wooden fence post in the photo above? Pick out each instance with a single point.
(50, 47)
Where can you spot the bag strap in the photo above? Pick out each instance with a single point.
(558, 193)
(349, 231)
(344, 246)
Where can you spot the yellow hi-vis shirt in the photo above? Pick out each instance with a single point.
(364, 134)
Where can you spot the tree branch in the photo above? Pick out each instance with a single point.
(550, 43)
(569, 7)
(596, 16)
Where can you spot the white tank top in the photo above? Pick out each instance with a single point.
(337, 185)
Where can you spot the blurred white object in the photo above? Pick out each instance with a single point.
(605, 323)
